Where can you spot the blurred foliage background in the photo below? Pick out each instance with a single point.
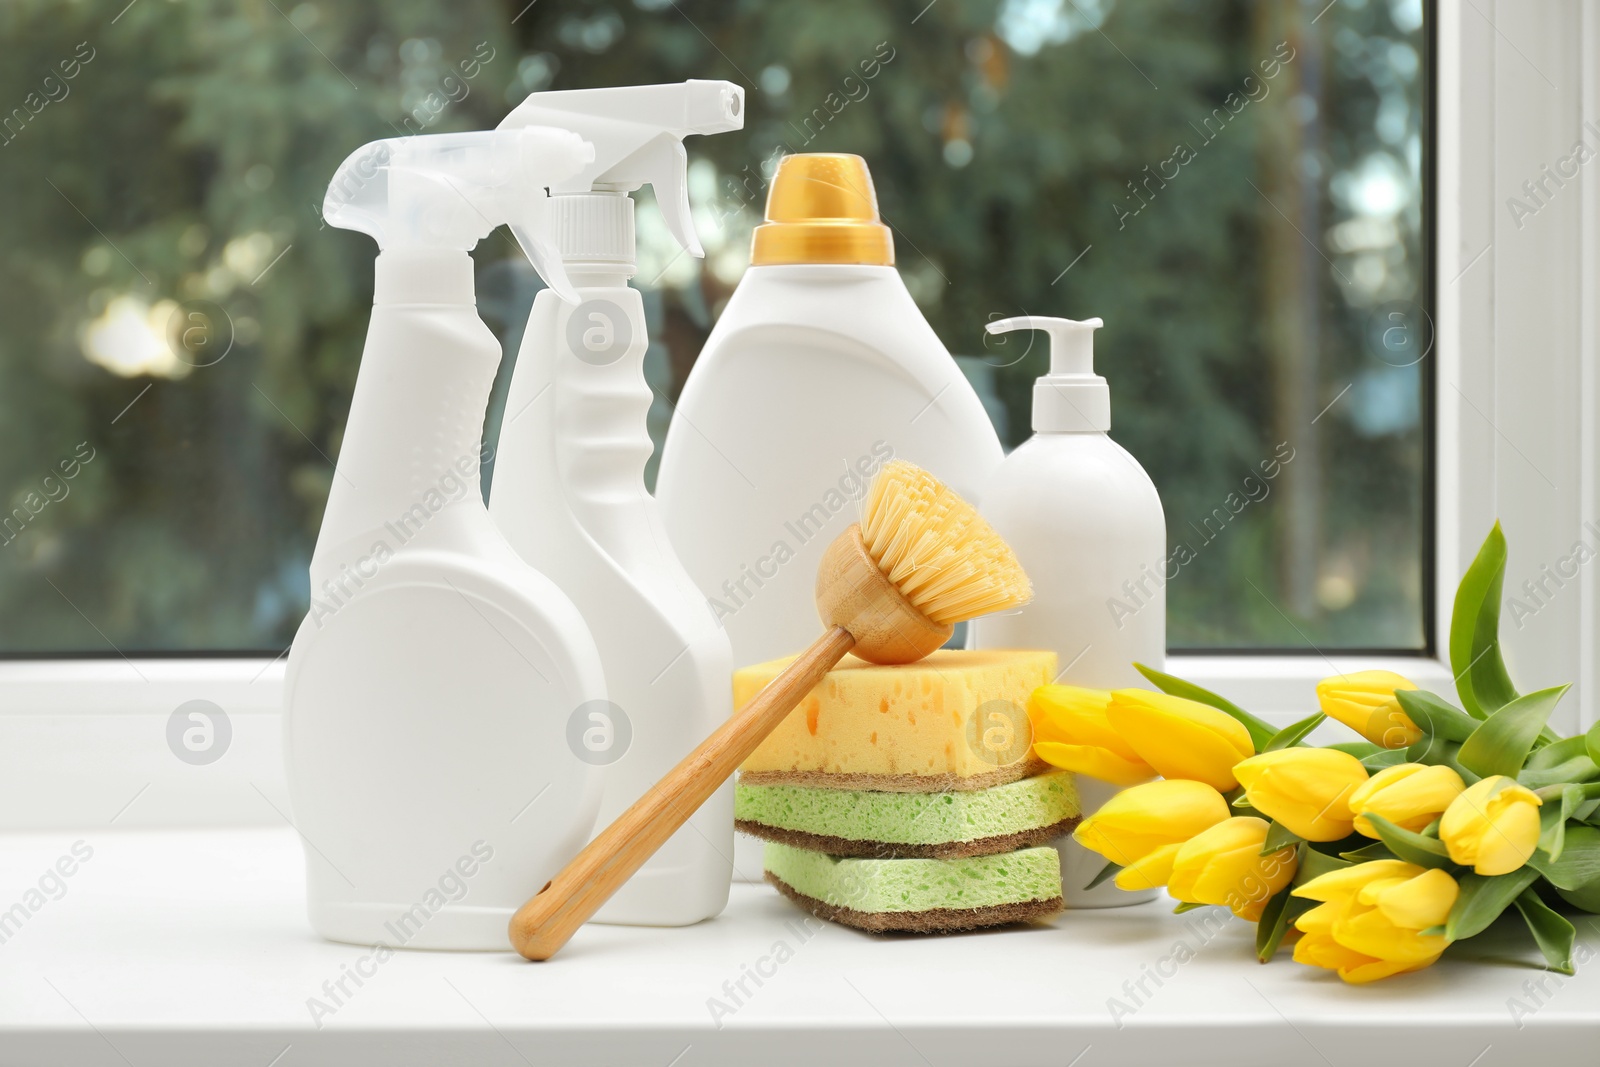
(1237, 188)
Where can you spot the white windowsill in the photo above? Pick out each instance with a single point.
(1282, 688)
(191, 947)
(83, 742)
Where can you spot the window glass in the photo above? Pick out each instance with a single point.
(1238, 189)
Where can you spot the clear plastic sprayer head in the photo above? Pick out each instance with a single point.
(449, 190)
(637, 132)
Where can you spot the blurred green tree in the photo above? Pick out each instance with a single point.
(1237, 188)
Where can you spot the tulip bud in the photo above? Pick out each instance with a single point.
(1224, 866)
(1306, 789)
(1370, 922)
(1141, 828)
(1070, 731)
(1365, 702)
(1180, 738)
(1410, 795)
(1492, 826)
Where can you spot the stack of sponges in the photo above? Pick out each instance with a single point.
(906, 798)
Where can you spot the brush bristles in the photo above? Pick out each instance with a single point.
(936, 549)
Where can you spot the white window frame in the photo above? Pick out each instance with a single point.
(1517, 408)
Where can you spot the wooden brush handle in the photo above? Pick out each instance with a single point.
(545, 923)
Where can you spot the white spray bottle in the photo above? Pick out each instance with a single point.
(569, 488)
(431, 686)
(1086, 522)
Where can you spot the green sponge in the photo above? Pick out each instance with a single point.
(919, 895)
(858, 822)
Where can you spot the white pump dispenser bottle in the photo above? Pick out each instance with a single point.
(569, 488)
(431, 686)
(1086, 522)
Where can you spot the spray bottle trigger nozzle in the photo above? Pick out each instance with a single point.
(637, 134)
(666, 162)
(546, 259)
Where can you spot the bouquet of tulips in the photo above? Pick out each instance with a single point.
(1379, 852)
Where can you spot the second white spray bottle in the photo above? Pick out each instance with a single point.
(569, 490)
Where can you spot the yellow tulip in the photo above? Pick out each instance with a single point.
(1224, 866)
(1410, 795)
(1070, 731)
(1365, 702)
(1492, 826)
(1370, 919)
(1134, 826)
(1180, 738)
(1306, 789)
(1151, 871)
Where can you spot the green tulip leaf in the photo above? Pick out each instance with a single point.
(1452, 759)
(1314, 864)
(1553, 816)
(1547, 793)
(1261, 733)
(1560, 752)
(1184, 906)
(1350, 841)
(1561, 803)
(1367, 853)
(1503, 741)
(1434, 715)
(1482, 899)
(1577, 769)
(1279, 836)
(1409, 846)
(1554, 935)
(1431, 749)
(1591, 742)
(1482, 682)
(1388, 757)
(1276, 918)
(1292, 735)
(1583, 899)
(1359, 749)
(1110, 870)
(1577, 867)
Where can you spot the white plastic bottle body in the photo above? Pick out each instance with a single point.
(1087, 525)
(430, 687)
(813, 378)
(569, 494)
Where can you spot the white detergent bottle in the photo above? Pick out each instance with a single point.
(431, 687)
(569, 489)
(819, 371)
(1086, 523)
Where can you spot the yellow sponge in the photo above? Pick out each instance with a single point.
(955, 720)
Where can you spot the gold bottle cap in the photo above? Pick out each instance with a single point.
(821, 208)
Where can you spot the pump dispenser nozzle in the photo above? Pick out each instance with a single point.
(1072, 397)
